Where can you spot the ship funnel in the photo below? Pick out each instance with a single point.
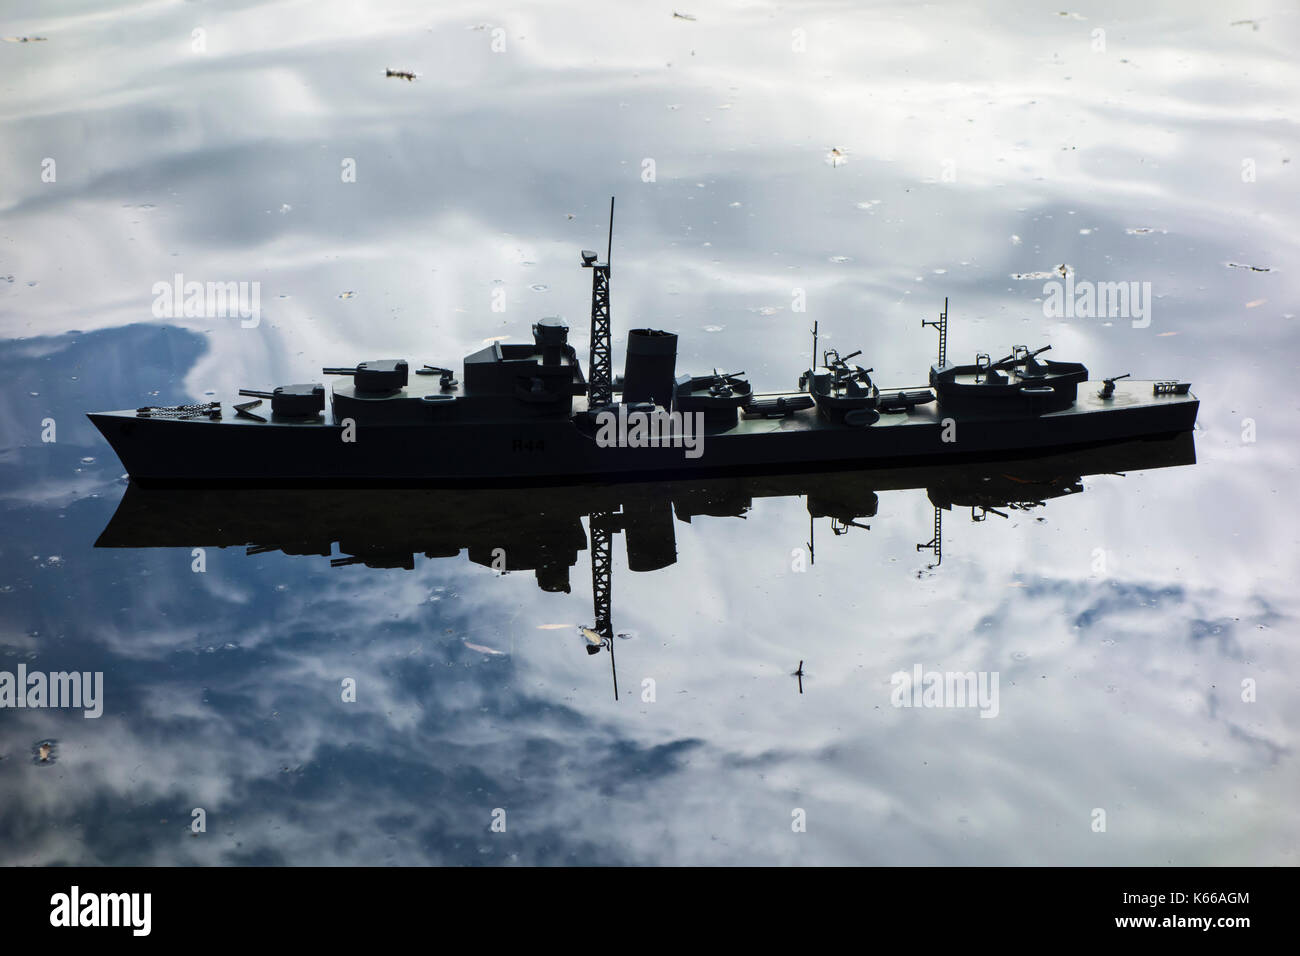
(651, 366)
(550, 335)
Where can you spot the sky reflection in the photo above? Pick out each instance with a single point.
(1120, 688)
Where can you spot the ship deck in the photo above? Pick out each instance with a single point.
(1128, 394)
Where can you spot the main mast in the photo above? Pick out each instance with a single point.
(600, 385)
(942, 326)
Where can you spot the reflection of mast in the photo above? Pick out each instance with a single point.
(647, 524)
(602, 553)
(935, 544)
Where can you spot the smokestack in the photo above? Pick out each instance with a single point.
(651, 364)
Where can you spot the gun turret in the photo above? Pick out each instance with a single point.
(723, 382)
(294, 401)
(1108, 385)
(447, 378)
(1013, 361)
(384, 376)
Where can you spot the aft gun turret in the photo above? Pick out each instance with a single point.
(1108, 385)
(446, 377)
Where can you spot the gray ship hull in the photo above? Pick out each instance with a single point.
(233, 450)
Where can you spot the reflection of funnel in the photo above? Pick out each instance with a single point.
(651, 541)
(553, 577)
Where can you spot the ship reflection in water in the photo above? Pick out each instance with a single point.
(541, 529)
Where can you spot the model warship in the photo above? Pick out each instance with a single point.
(525, 413)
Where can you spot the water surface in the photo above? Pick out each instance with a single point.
(974, 145)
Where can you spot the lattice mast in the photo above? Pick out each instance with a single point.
(600, 384)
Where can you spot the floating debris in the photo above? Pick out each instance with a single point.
(1016, 240)
(714, 328)
(495, 338)
(837, 157)
(346, 295)
(1143, 231)
(44, 752)
(27, 39)
(490, 651)
(401, 74)
(1255, 303)
(839, 259)
(554, 627)
(683, 16)
(540, 287)
(1253, 24)
(1062, 271)
(1242, 265)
